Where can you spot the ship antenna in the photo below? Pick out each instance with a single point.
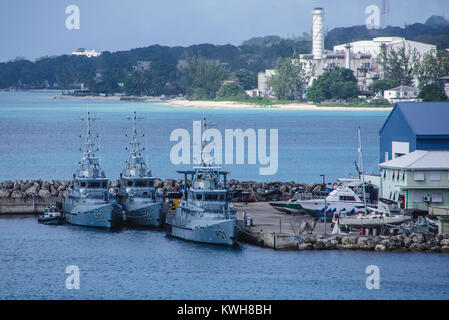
(361, 168)
(203, 142)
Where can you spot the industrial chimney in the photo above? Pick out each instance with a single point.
(318, 33)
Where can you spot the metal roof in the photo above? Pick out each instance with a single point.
(420, 159)
(426, 118)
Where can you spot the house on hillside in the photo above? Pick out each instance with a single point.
(414, 126)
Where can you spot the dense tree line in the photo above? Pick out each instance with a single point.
(203, 75)
(336, 84)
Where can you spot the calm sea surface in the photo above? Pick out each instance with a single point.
(39, 138)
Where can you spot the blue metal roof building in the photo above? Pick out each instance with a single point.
(414, 126)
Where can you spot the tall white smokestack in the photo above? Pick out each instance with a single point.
(318, 33)
(348, 56)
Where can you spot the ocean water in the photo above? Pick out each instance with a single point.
(39, 137)
(143, 264)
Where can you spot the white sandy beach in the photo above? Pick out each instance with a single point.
(232, 104)
(240, 105)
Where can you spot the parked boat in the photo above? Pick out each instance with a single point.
(338, 200)
(205, 213)
(136, 193)
(375, 218)
(88, 201)
(51, 216)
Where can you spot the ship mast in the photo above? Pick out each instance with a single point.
(361, 168)
(203, 143)
(90, 164)
(135, 159)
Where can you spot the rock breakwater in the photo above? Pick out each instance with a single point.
(414, 242)
(258, 191)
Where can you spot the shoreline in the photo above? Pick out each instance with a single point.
(181, 103)
(242, 105)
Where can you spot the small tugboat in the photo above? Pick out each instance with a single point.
(205, 213)
(88, 201)
(136, 193)
(51, 216)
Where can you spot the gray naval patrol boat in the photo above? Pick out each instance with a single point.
(205, 213)
(88, 201)
(136, 193)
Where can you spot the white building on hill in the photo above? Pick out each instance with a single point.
(87, 53)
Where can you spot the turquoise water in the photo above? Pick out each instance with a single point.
(40, 137)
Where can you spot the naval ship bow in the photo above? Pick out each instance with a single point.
(205, 213)
(88, 201)
(142, 204)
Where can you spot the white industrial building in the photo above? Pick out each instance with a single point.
(262, 82)
(359, 56)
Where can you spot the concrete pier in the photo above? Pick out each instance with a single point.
(270, 228)
(277, 230)
(26, 205)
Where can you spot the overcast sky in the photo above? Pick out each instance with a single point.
(35, 28)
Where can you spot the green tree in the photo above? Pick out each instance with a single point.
(291, 78)
(399, 65)
(246, 78)
(231, 91)
(338, 83)
(200, 79)
(432, 92)
(64, 77)
(435, 64)
(343, 90)
(148, 83)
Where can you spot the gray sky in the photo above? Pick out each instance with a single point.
(35, 28)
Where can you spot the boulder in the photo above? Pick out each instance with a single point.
(17, 194)
(309, 239)
(362, 241)
(158, 183)
(45, 185)
(380, 247)
(318, 245)
(419, 239)
(168, 183)
(407, 242)
(305, 246)
(330, 243)
(417, 247)
(44, 193)
(444, 243)
(349, 240)
(4, 193)
(7, 184)
(32, 192)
